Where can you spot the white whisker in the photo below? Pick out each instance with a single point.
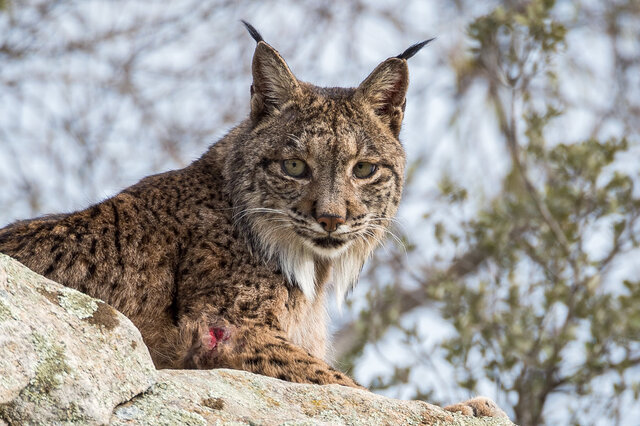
(243, 213)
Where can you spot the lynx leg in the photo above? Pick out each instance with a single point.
(263, 350)
(255, 348)
(477, 407)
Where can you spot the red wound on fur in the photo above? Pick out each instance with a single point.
(217, 334)
(214, 340)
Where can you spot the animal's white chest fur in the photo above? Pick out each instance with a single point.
(306, 326)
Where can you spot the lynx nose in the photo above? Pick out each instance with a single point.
(330, 223)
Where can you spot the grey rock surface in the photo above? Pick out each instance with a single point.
(241, 398)
(66, 358)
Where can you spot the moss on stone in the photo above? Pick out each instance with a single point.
(213, 403)
(51, 366)
(5, 312)
(51, 296)
(78, 304)
(104, 316)
(73, 414)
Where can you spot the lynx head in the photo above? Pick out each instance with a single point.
(316, 175)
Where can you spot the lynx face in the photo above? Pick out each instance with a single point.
(319, 176)
(333, 175)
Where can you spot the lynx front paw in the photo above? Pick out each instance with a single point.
(477, 407)
(208, 342)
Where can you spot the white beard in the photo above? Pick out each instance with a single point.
(298, 263)
(346, 271)
(297, 259)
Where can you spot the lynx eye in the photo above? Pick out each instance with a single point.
(295, 168)
(363, 170)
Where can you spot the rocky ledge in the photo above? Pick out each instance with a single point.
(66, 358)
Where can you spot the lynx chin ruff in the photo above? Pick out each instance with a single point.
(227, 262)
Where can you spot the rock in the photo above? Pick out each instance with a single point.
(241, 398)
(64, 356)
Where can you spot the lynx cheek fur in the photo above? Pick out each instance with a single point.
(226, 263)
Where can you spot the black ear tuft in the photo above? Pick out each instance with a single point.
(254, 33)
(412, 50)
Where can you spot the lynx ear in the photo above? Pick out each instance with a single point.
(273, 82)
(385, 88)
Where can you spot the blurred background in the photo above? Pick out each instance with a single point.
(514, 270)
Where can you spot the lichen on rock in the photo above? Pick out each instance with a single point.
(107, 317)
(78, 304)
(5, 312)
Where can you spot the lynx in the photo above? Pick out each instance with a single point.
(228, 262)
